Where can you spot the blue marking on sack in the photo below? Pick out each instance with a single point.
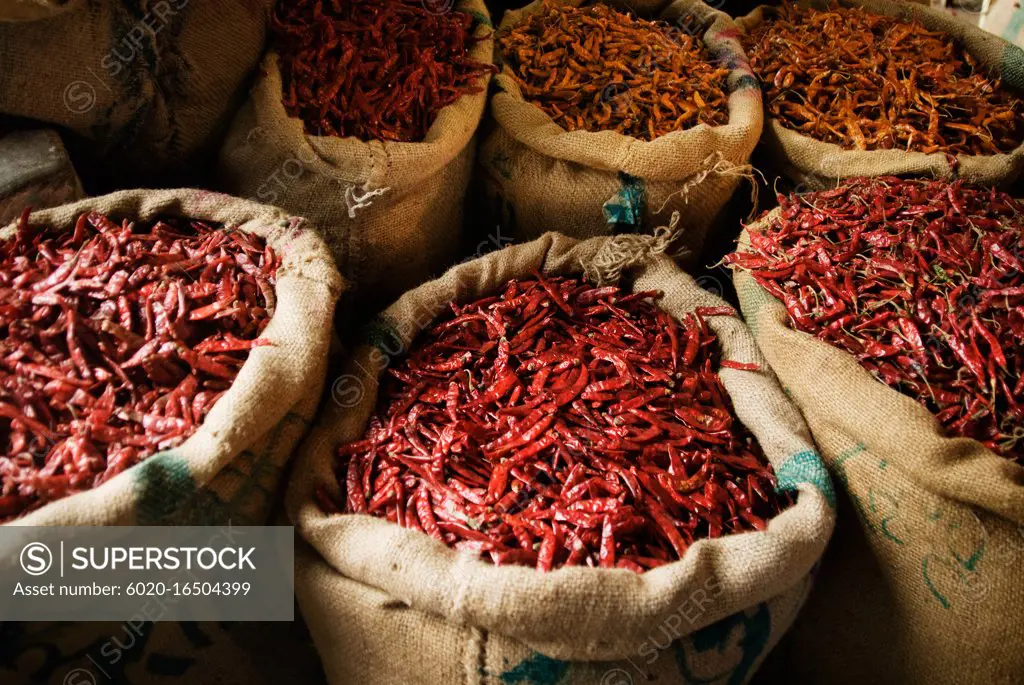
(479, 19)
(805, 467)
(382, 334)
(624, 212)
(746, 82)
(162, 484)
(536, 669)
(756, 630)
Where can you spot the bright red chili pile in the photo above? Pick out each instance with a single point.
(116, 340)
(560, 424)
(373, 69)
(923, 281)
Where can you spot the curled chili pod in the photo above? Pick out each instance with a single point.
(531, 434)
(939, 293)
(867, 81)
(116, 341)
(373, 69)
(595, 68)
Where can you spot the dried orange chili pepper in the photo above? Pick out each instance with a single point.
(598, 69)
(871, 82)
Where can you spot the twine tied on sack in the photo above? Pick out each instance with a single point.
(355, 202)
(718, 165)
(627, 250)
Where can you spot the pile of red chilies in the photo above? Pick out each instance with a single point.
(374, 69)
(560, 424)
(923, 281)
(115, 342)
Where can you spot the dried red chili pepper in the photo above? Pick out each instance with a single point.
(922, 282)
(116, 340)
(564, 444)
(870, 82)
(373, 69)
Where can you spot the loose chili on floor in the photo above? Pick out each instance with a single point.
(373, 69)
(561, 424)
(870, 82)
(923, 281)
(594, 68)
(116, 340)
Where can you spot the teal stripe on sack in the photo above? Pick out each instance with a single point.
(380, 333)
(805, 467)
(162, 483)
(479, 19)
(624, 212)
(754, 298)
(746, 82)
(167, 494)
(536, 669)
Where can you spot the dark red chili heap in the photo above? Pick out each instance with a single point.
(559, 424)
(116, 340)
(923, 281)
(373, 69)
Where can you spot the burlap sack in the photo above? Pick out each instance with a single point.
(30, 10)
(143, 652)
(921, 582)
(231, 468)
(145, 90)
(818, 165)
(390, 605)
(537, 174)
(35, 171)
(391, 212)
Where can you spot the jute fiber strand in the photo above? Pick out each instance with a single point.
(386, 604)
(231, 468)
(818, 165)
(144, 90)
(921, 582)
(583, 183)
(391, 212)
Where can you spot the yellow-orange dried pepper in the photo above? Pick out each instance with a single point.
(871, 82)
(598, 69)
